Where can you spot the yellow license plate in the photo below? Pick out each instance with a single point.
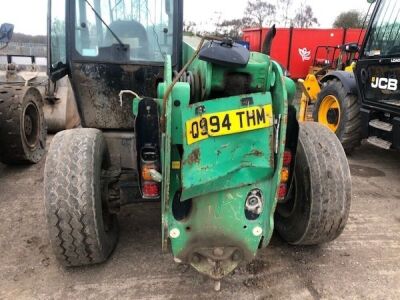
(228, 122)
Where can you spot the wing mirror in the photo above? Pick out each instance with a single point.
(351, 47)
(6, 32)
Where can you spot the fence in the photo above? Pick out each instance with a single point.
(29, 49)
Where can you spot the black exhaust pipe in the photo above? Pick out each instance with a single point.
(266, 48)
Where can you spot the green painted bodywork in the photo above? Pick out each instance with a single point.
(217, 174)
(228, 161)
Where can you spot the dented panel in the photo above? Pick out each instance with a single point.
(229, 160)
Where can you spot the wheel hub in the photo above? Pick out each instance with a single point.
(30, 127)
(329, 112)
(333, 116)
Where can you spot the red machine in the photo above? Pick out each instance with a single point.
(294, 48)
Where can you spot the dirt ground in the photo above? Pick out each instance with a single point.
(363, 263)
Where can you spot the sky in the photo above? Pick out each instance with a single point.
(29, 16)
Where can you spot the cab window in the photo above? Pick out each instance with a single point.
(145, 25)
(384, 36)
(58, 33)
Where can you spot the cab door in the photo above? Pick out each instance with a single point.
(57, 39)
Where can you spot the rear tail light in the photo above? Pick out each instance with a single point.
(149, 168)
(282, 191)
(287, 158)
(285, 175)
(151, 190)
(146, 171)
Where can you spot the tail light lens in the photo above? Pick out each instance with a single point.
(149, 163)
(151, 190)
(284, 175)
(287, 158)
(282, 191)
(146, 175)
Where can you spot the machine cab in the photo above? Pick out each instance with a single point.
(106, 46)
(378, 69)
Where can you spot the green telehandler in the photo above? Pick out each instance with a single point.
(206, 128)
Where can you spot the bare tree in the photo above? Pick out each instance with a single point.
(305, 17)
(189, 27)
(260, 12)
(233, 28)
(217, 21)
(283, 7)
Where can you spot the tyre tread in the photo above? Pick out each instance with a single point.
(70, 197)
(349, 131)
(331, 191)
(325, 185)
(13, 149)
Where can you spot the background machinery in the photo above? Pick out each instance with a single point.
(377, 76)
(22, 125)
(30, 104)
(329, 64)
(206, 128)
(364, 104)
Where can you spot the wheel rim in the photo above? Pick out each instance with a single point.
(30, 125)
(329, 112)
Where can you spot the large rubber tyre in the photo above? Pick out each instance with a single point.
(317, 207)
(81, 230)
(22, 125)
(345, 120)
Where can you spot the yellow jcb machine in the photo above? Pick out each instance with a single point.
(327, 68)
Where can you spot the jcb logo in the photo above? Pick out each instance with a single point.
(384, 83)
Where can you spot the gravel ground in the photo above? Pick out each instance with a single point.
(363, 263)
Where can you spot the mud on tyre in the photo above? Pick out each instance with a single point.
(81, 229)
(22, 125)
(340, 112)
(318, 204)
